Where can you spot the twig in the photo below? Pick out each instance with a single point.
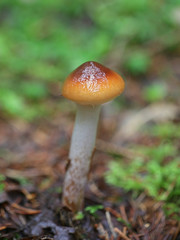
(116, 149)
(108, 217)
(155, 112)
(102, 232)
(177, 232)
(123, 213)
(94, 189)
(121, 234)
(113, 212)
(124, 230)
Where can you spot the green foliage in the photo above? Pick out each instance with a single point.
(2, 178)
(137, 63)
(22, 180)
(93, 209)
(166, 130)
(42, 41)
(155, 92)
(90, 209)
(11, 102)
(79, 216)
(119, 219)
(15, 237)
(158, 176)
(34, 90)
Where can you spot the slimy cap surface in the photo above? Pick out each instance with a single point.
(92, 84)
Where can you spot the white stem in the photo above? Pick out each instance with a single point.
(81, 150)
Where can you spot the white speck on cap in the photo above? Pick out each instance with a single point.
(90, 76)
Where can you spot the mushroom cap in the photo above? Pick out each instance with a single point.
(92, 84)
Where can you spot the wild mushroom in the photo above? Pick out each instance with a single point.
(90, 85)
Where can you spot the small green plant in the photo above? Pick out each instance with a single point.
(11, 102)
(16, 237)
(2, 178)
(79, 216)
(22, 180)
(155, 92)
(90, 209)
(137, 63)
(166, 131)
(158, 176)
(124, 222)
(93, 209)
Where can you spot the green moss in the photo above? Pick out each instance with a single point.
(158, 176)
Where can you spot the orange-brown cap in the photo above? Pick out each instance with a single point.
(92, 84)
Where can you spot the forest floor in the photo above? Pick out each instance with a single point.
(33, 161)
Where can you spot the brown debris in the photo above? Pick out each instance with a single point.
(121, 234)
(24, 211)
(37, 153)
(102, 233)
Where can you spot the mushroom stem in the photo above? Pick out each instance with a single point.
(81, 150)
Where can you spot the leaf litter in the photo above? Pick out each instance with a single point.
(33, 161)
(30, 203)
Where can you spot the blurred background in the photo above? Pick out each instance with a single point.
(42, 41)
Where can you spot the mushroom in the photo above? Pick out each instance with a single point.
(90, 85)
